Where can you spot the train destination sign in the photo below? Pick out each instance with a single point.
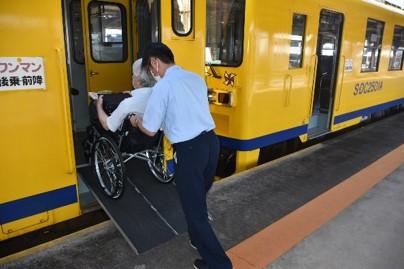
(22, 73)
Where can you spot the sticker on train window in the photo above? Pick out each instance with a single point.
(348, 65)
(22, 73)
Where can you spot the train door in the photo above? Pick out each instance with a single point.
(108, 53)
(76, 64)
(99, 51)
(187, 34)
(99, 59)
(328, 50)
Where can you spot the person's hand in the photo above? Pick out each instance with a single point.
(135, 120)
(100, 100)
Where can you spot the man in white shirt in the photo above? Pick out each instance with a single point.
(179, 105)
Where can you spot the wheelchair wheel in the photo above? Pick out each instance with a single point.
(109, 166)
(88, 143)
(159, 167)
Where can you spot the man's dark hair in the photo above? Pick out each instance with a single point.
(158, 50)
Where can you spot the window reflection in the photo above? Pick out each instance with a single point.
(182, 16)
(224, 37)
(297, 41)
(373, 45)
(147, 23)
(77, 31)
(328, 49)
(107, 32)
(397, 48)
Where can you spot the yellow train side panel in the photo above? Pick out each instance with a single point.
(273, 103)
(192, 57)
(349, 99)
(38, 182)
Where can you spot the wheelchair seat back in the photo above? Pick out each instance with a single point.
(128, 138)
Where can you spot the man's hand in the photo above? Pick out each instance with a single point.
(100, 100)
(134, 120)
(137, 121)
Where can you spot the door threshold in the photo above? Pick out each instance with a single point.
(317, 135)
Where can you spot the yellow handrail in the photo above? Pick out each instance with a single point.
(313, 84)
(65, 112)
(287, 90)
(338, 101)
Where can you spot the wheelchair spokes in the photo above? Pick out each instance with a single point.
(109, 162)
(159, 167)
(109, 167)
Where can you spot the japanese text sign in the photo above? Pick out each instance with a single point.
(22, 73)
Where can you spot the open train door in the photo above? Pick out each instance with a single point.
(186, 36)
(107, 46)
(328, 54)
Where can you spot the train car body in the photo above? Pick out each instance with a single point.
(276, 71)
(299, 69)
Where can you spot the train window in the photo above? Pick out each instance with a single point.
(107, 32)
(397, 49)
(297, 41)
(77, 31)
(373, 46)
(224, 33)
(181, 16)
(147, 23)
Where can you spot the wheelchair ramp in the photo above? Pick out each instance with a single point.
(148, 213)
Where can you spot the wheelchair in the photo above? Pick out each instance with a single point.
(108, 153)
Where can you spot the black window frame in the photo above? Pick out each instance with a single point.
(301, 63)
(392, 49)
(125, 46)
(141, 44)
(380, 48)
(191, 29)
(241, 39)
(79, 32)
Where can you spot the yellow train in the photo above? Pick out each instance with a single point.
(276, 71)
(300, 69)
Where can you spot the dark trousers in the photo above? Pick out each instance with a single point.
(194, 171)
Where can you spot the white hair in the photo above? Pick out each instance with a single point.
(145, 78)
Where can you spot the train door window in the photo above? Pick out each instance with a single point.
(182, 17)
(297, 41)
(107, 32)
(373, 45)
(224, 36)
(147, 23)
(397, 49)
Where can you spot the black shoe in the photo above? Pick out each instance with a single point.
(192, 245)
(200, 264)
(210, 217)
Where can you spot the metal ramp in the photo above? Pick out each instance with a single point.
(148, 213)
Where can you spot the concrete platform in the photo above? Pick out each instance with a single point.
(369, 234)
(261, 214)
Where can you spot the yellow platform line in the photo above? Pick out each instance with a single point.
(266, 246)
(55, 242)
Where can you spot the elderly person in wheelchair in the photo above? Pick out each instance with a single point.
(132, 103)
(113, 141)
